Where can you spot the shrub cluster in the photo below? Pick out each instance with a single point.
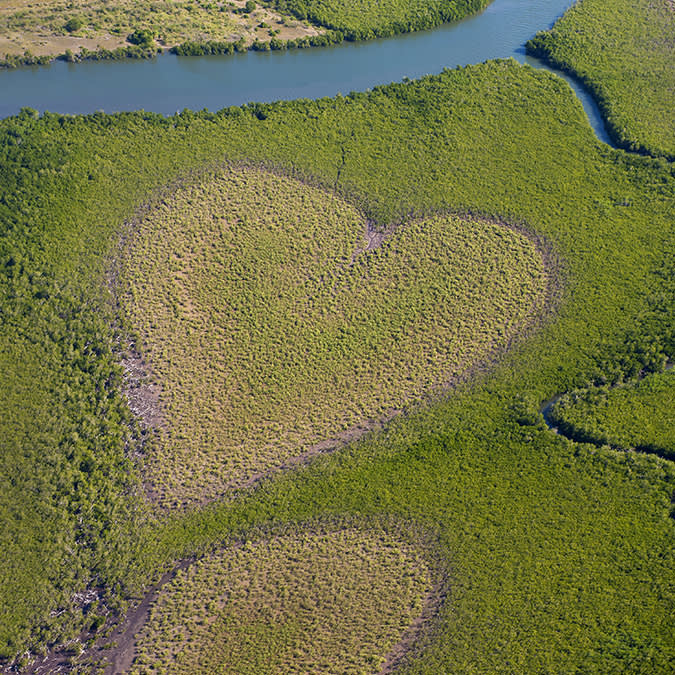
(27, 59)
(275, 44)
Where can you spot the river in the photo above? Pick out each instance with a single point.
(169, 83)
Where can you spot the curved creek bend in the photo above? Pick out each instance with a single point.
(547, 406)
(168, 83)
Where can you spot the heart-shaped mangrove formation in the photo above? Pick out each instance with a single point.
(274, 318)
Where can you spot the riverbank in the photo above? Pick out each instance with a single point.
(171, 83)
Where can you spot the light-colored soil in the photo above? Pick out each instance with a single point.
(44, 45)
(37, 26)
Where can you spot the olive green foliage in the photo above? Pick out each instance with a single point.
(362, 19)
(141, 37)
(25, 59)
(65, 478)
(305, 602)
(640, 416)
(141, 51)
(74, 24)
(623, 50)
(560, 554)
(272, 321)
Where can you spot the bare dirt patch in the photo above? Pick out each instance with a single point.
(142, 392)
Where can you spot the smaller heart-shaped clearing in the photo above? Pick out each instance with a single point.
(274, 319)
(310, 602)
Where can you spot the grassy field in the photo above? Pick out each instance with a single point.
(559, 554)
(50, 27)
(624, 52)
(638, 415)
(272, 327)
(305, 602)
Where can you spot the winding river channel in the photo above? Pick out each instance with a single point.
(169, 83)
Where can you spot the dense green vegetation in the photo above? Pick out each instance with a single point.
(304, 602)
(273, 319)
(623, 51)
(66, 480)
(363, 20)
(25, 59)
(640, 416)
(560, 554)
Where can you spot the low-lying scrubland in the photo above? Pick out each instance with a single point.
(623, 51)
(48, 28)
(304, 602)
(272, 323)
(560, 554)
(637, 416)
